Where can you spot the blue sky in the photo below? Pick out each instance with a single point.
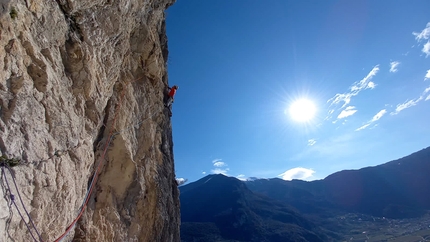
(240, 65)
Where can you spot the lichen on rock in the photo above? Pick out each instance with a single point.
(83, 82)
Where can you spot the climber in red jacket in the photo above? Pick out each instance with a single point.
(170, 96)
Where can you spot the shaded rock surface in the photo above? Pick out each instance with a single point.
(83, 82)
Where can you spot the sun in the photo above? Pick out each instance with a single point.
(302, 110)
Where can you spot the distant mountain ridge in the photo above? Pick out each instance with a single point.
(396, 189)
(220, 208)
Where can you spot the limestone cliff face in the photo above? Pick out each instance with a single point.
(83, 82)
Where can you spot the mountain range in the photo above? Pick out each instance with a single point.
(221, 208)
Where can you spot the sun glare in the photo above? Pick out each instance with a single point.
(302, 110)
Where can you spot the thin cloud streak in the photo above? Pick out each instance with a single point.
(347, 112)
(365, 83)
(363, 127)
(424, 34)
(426, 91)
(216, 160)
(355, 89)
(426, 49)
(393, 66)
(411, 103)
(378, 115)
(406, 105)
(427, 76)
(311, 142)
(220, 171)
(219, 164)
(374, 119)
(344, 97)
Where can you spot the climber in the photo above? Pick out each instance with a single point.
(170, 96)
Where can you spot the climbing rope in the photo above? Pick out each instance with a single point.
(96, 172)
(58, 153)
(115, 134)
(12, 198)
(112, 134)
(137, 124)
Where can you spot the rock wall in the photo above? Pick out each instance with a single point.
(82, 84)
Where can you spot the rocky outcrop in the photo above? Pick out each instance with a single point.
(81, 93)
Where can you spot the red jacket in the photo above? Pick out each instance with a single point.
(172, 92)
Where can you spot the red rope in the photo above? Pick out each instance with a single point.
(111, 135)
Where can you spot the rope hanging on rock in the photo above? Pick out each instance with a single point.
(5, 163)
(96, 172)
(101, 161)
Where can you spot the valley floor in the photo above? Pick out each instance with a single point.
(358, 227)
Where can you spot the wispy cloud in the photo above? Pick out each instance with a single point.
(427, 90)
(413, 102)
(363, 127)
(393, 66)
(424, 34)
(297, 173)
(371, 85)
(355, 89)
(426, 49)
(181, 181)
(365, 83)
(220, 171)
(427, 75)
(220, 167)
(378, 115)
(311, 142)
(374, 119)
(350, 110)
(219, 164)
(241, 177)
(405, 105)
(204, 172)
(341, 97)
